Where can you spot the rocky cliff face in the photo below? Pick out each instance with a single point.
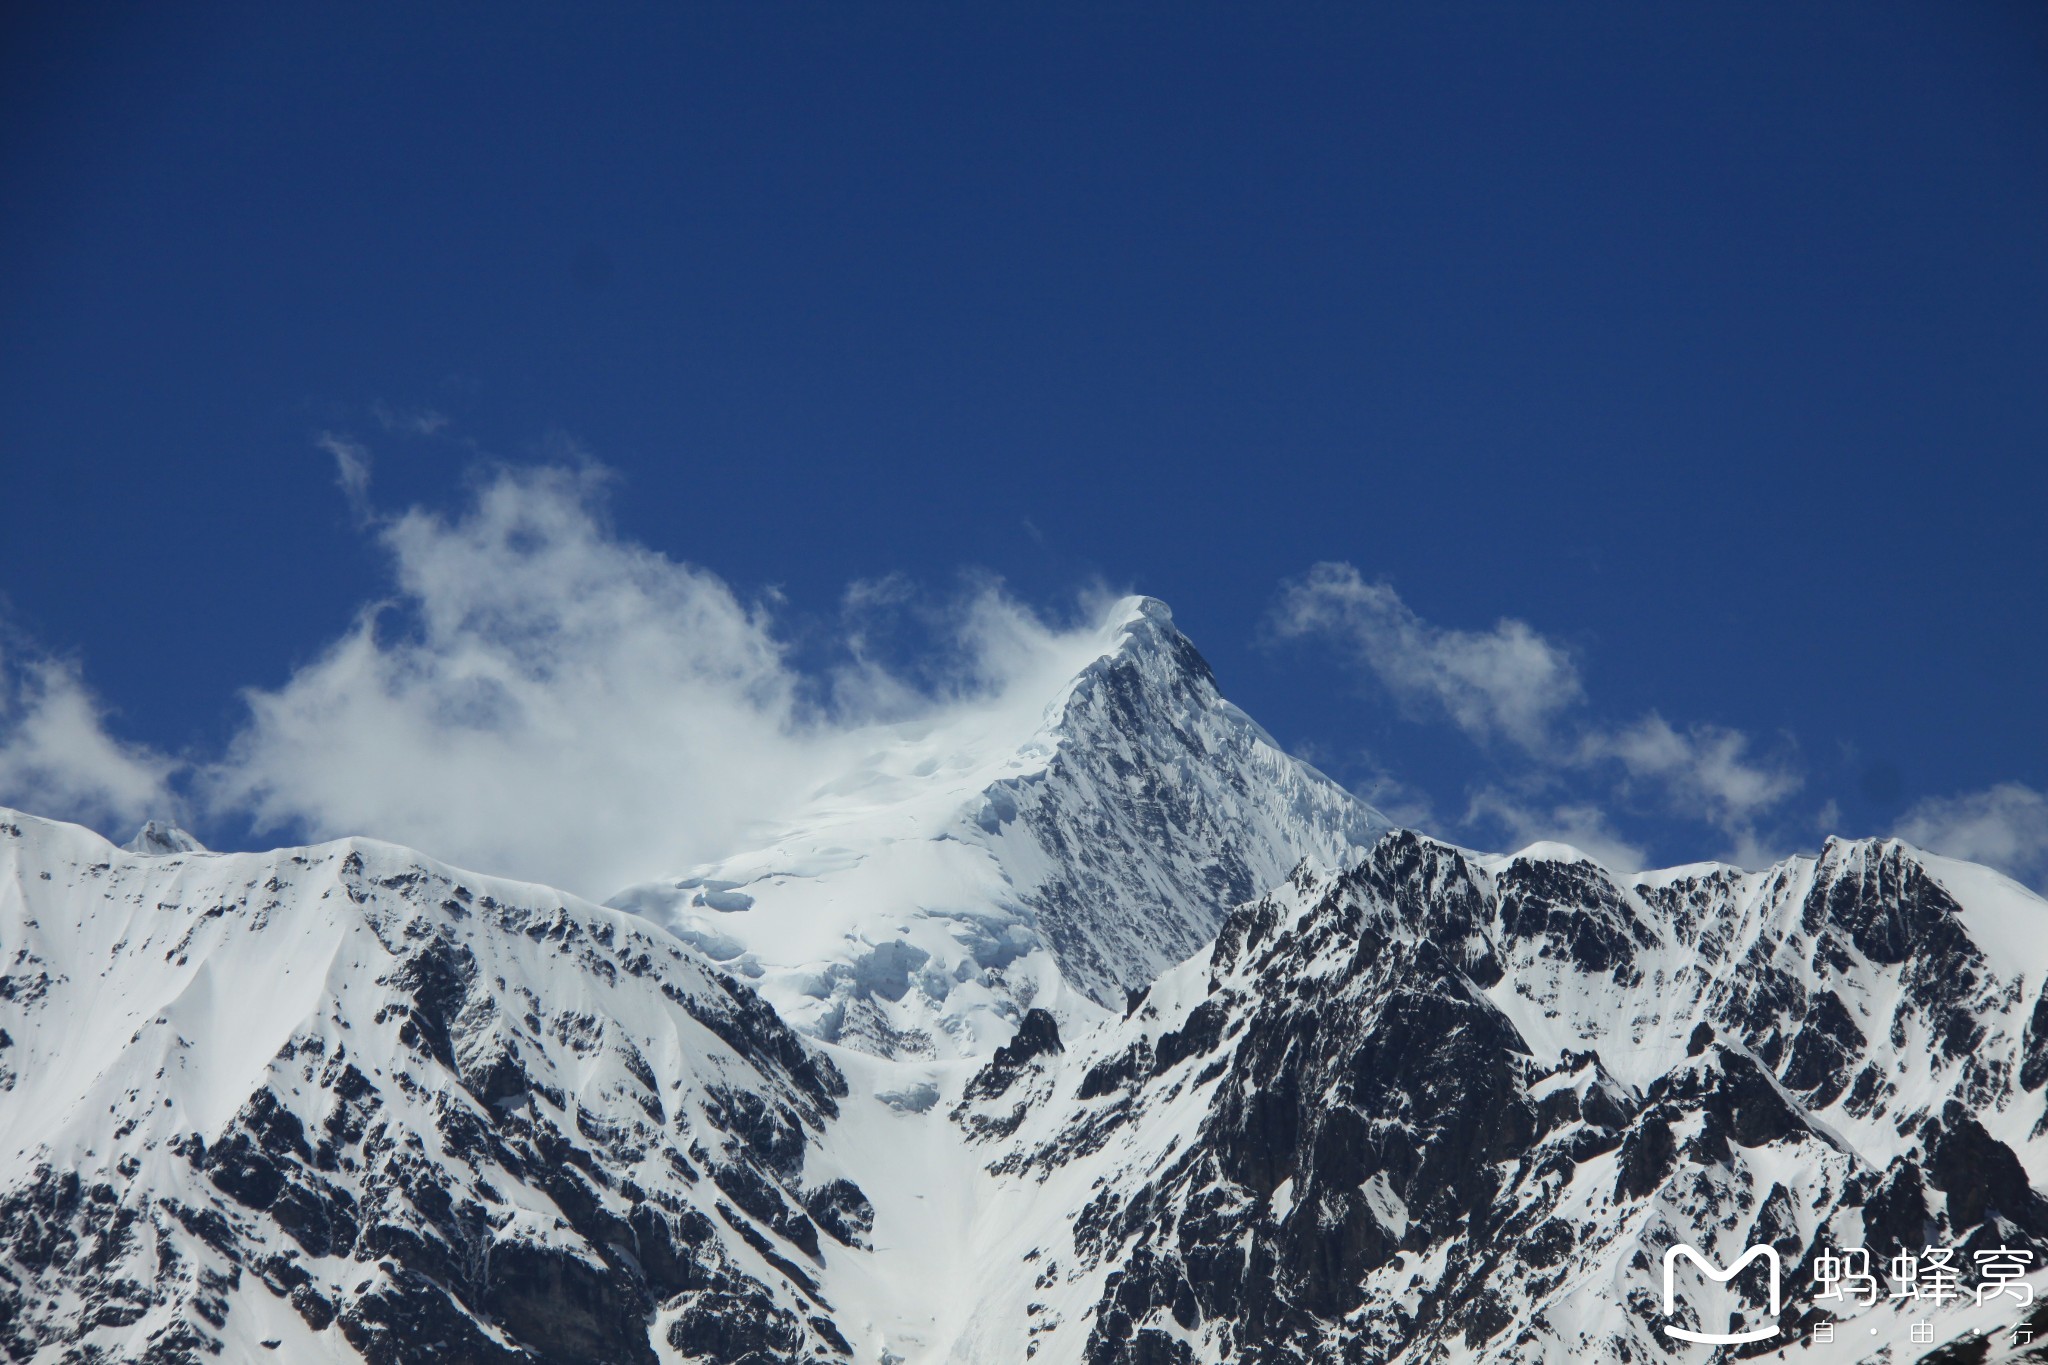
(1440, 1107)
(1160, 806)
(345, 1103)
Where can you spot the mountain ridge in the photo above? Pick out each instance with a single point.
(401, 1101)
(1103, 1033)
(1317, 1143)
(1097, 840)
(830, 1208)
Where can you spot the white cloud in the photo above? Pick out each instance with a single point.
(2005, 826)
(546, 700)
(351, 471)
(1511, 683)
(1828, 818)
(57, 758)
(408, 421)
(877, 594)
(1582, 825)
(1507, 682)
(542, 699)
(1705, 772)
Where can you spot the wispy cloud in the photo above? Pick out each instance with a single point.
(2004, 826)
(1706, 772)
(351, 472)
(1581, 824)
(409, 421)
(57, 756)
(1520, 695)
(1506, 682)
(538, 696)
(543, 697)
(1401, 802)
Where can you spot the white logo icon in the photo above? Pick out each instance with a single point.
(1768, 1255)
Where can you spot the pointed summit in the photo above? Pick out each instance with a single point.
(1144, 618)
(158, 838)
(967, 871)
(1163, 805)
(1142, 628)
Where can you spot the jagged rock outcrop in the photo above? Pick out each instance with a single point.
(1441, 1106)
(344, 1101)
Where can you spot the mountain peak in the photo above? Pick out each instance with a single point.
(967, 871)
(1139, 615)
(1145, 626)
(159, 838)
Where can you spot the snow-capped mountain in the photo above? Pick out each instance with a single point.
(344, 1103)
(1444, 1107)
(881, 1097)
(1055, 852)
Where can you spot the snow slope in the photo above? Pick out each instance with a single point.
(343, 1102)
(1053, 852)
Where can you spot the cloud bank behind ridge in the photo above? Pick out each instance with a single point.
(1564, 772)
(539, 697)
(56, 753)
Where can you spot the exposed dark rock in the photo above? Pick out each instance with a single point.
(1573, 908)
(1702, 1036)
(842, 1211)
(736, 1328)
(1824, 1052)
(1980, 1175)
(1648, 1153)
(1197, 1037)
(1038, 1035)
(2034, 1054)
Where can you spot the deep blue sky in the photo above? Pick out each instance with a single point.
(1712, 341)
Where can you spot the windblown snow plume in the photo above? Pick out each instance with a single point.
(544, 697)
